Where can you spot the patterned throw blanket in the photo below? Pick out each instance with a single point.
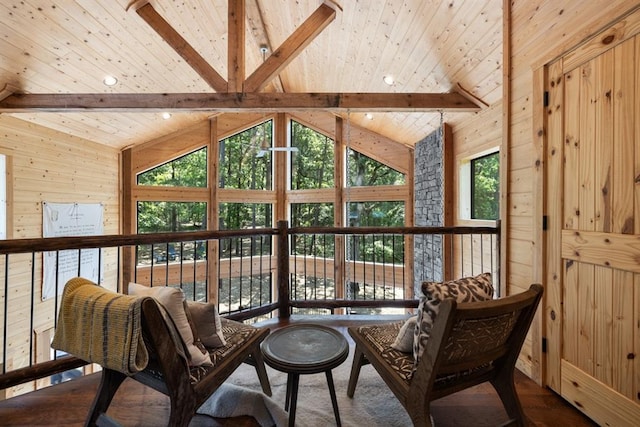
(101, 326)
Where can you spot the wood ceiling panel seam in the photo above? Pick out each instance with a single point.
(370, 49)
(451, 44)
(396, 42)
(334, 58)
(277, 27)
(341, 36)
(489, 76)
(256, 31)
(420, 58)
(109, 21)
(110, 53)
(76, 47)
(490, 40)
(363, 51)
(9, 21)
(157, 51)
(408, 55)
(12, 77)
(218, 51)
(180, 16)
(32, 62)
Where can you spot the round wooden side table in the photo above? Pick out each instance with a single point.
(305, 349)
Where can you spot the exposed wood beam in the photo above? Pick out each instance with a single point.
(290, 48)
(181, 46)
(148, 102)
(257, 28)
(235, 55)
(7, 90)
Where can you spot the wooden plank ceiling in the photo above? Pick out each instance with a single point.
(330, 54)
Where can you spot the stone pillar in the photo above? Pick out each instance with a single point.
(428, 209)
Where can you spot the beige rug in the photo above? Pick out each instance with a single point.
(372, 405)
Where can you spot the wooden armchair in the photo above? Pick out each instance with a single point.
(135, 338)
(470, 343)
(168, 372)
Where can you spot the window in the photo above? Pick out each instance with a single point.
(364, 171)
(485, 181)
(187, 171)
(312, 165)
(161, 217)
(376, 247)
(480, 187)
(312, 214)
(238, 216)
(243, 163)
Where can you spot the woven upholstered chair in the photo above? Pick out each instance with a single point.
(140, 325)
(470, 343)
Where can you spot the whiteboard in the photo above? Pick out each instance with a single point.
(70, 219)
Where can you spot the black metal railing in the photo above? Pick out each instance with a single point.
(250, 274)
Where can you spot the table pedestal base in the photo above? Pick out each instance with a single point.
(293, 380)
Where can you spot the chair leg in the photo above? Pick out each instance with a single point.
(182, 411)
(261, 371)
(358, 360)
(109, 383)
(422, 418)
(506, 389)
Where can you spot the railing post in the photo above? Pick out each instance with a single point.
(283, 269)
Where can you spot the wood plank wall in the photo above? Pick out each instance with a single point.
(479, 134)
(541, 30)
(50, 166)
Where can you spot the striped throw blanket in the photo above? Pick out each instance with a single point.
(101, 326)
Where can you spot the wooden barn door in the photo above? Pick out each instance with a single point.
(593, 239)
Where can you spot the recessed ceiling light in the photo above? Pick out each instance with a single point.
(369, 116)
(109, 80)
(166, 115)
(388, 79)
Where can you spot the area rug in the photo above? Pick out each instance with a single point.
(373, 404)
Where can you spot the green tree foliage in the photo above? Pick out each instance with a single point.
(160, 217)
(312, 165)
(364, 171)
(239, 165)
(189, 170)
(312, 215)
(376, 248)
(236, 216)
(485, 188)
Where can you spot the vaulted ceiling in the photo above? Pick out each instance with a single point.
(339, 47)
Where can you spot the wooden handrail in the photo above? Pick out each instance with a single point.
(283, 303)
(91, 242)
(40, 370)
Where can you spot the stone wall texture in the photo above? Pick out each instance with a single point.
(428, 208)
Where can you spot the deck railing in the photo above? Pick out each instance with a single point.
(257, 273)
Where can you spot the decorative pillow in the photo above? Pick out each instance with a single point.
(207, 323)
(404, 340)
(172, 299)
(467, 289)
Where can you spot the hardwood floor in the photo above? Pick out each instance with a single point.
(67, 404)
